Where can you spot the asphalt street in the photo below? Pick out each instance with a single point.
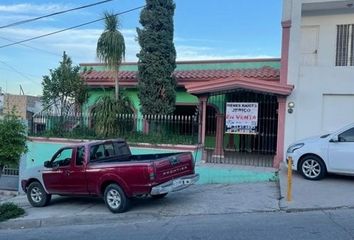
(333, 224)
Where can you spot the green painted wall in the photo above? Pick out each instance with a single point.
(203, 66)
(218, 101)
(94, 95)
(183, 97)
(132, 94)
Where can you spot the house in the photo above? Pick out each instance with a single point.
(213, 87)
(318, 59)
(25, 106)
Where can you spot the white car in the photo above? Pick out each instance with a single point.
(331, 153)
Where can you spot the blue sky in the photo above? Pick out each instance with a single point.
(204, 29)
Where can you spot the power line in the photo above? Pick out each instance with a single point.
(66, 29)
(53, 14)
(34, 48)
(18, 72)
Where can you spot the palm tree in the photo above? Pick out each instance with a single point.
(111, 47)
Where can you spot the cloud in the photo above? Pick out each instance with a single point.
(79, 43)
(33, 8)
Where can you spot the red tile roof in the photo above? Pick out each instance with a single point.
(219, 85)
(129, 78)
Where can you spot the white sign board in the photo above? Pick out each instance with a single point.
(241, 117)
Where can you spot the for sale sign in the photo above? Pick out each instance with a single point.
(241, 117)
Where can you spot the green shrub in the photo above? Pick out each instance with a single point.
(10, 210)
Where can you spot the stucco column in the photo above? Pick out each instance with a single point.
(219, 140)
(281, 132)
(202, 124)
(285, 51)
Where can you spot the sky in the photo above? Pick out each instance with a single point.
(203, 30)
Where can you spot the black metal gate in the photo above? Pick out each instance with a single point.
(245, 149)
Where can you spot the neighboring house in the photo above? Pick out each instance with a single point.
(25, 106)
(209, 86)
(318, 59)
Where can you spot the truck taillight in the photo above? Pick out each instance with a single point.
(151, 172)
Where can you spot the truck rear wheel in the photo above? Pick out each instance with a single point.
(37, 196)
(115, 199)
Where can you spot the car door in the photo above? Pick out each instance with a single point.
(76, 177)
(54, 177)
(341, 152)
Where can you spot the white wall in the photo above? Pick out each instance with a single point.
(324, 93)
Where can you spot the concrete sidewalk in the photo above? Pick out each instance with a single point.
(329, 193)
(196, 200)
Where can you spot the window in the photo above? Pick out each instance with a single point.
(63, 158)
(347, 136)
(122, 149)
(97, 152)
(80, 156)
(101, 151)
(345, 47)
(109, 150)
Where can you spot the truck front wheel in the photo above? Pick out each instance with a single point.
(115, 199)
(37, 196)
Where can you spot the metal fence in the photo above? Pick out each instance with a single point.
(156, 129)
(10, 171)
(245, 149)
(9, 179)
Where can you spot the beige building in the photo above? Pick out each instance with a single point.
(25, 106)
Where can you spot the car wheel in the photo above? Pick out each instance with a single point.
(312, 168)
(159, 196)
(115, 199)
(37, 196)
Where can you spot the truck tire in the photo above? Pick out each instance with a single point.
(37, 196)
(115, 199)
(159, 196)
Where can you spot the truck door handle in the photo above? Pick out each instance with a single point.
(68, 172)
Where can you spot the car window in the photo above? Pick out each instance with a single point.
(347, 136)
(109, 150)
(102, 151)
(80, 154)
(122, 148)
(96, 152)
(63, 158)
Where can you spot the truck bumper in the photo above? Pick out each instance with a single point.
(175, 184)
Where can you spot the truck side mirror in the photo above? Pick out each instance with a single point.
(47, 164)
(334, 139)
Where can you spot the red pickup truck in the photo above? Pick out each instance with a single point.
(108, 169)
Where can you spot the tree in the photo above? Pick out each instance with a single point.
(12, 140)
(64, 88)
(106, 115)
(111, 47)
(157, 58)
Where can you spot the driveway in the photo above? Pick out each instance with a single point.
(332, 192)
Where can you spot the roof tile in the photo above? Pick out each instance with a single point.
(264, 73)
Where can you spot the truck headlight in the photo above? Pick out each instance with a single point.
(294, 147)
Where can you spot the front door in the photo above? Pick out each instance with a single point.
(341, 153)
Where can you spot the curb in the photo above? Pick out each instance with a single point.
(104, 219)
